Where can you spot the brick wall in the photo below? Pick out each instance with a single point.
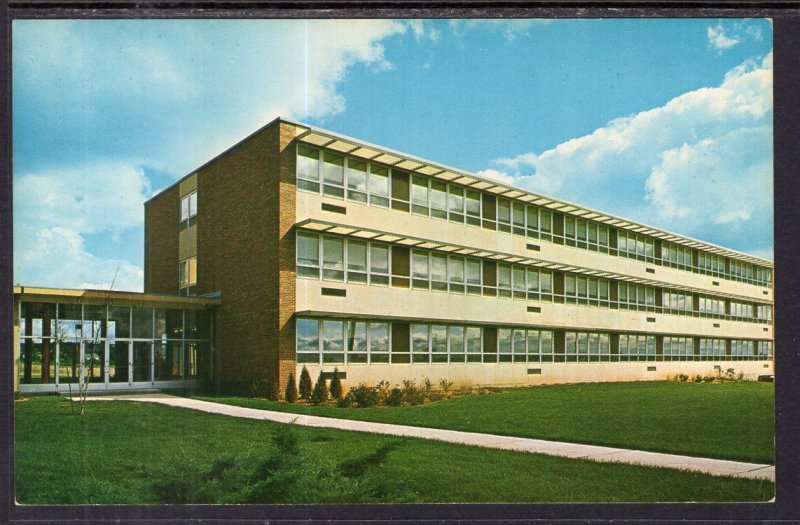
(244, 243)
(161, 227)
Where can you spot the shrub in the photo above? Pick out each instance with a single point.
(320, 393)
(291, 390)
(264, 388)
(698, 378)
(411, 394)
(395, 397)
(305, 384)
(445, 385)
(382, 389)
(363, 396)
(336, 385)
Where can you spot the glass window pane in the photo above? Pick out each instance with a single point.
(119, 322)
(357, 336)
(332, 336)
(438, 194)
(379, 337)
(357, 256)
(473, 336)
(419, 338)
(379, 181)
(456, 269)
(307, 249)
(419, 191)
(142, 322)
(438, 267)
(546, 282)
(473, 202)
(307, 335)
(356, 175)
(307, 163)
(419, 265)
(456, 338)
(379, 258)
(455, 199)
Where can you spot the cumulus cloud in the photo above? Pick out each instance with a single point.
(719, 40)
(701, 164)
(97, 101)
(55, 209)
(727, 34)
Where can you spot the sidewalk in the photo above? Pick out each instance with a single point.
(715, 467)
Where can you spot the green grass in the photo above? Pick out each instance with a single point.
(733, 420)
(122, 452)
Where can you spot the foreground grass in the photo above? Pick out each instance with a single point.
(732, 420)
(123, 452)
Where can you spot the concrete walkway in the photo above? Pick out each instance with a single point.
(715, 467)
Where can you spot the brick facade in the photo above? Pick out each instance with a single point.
(161, 229)
(245, 251)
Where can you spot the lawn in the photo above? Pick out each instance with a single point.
(124, 452)
(732, 420)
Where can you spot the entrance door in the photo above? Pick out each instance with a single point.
(142, 362)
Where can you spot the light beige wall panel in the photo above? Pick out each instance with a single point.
(187, 242)
(551, 373)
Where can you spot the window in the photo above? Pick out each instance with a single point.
(742, 350)
(307, 341)
(636, 296)
(356, 180)
(419, 343)
(379, 186)
(187, 270)
(503, 280)
(677, 256)
(741, 310)
(307, 168)
(764, 312)
(356, 261)
(764, 349)
(676, 302)
(763, 276)
(333, 175)
(419, 269)
(332, 341)
(518, 218)
(438, 195)
(419, 195)
(678, 349)
(332, 259)
(585, 234)
(635, 246)
(586, 290)
(504, 345)
(438, 272)
(308, 255)
(474, 344)
(455, 271)
(438, 343)
(474, 276)
(188, 209)
(356, 342)
(472, 204)
(710, 348)
(455, 203)
(456, 343)
(637, 347)
(503, 215)
(711, 306)
(379, 342)
(379, 263)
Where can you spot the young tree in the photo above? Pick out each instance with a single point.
(305, 384)
(336, 385)
(320, 393)
(291, 390)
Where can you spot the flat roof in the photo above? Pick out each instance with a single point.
(344, 144)
(93, 296)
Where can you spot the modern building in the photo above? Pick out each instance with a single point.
(324, 251)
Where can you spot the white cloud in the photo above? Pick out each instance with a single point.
(54, 211)
(719, 40)
(510, 28)
(701, 161)
(499, 176)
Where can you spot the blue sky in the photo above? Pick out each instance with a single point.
(668, 122)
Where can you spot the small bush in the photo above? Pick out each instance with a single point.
(363, 396)
(412, 395)
(395, 397)
(291, 390)
(264, 388)
(305, 384)
(336, 385)
(698, 378)
(445, 385)
(320, 393)
(382, 389)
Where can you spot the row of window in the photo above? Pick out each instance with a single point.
(187, 272)
(343, 341)
(336, 258)
(341, 176)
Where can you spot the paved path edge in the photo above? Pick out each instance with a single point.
(602, 454)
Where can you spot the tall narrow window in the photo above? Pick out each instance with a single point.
(455, 341)
(307, 168)
(308, 255)
(356, 180)
(333, 175)
(438, 343)
(379, 186)
(419, 195)
(473, 276)
(503, 215)
(438, 272)
(356, 261)
(456, 274)
(379, 263)
(472, 203)
(419, 343)
(307, 346)
(438, 199)
(455, 203)
(188, 209)
(419, 269)
(332, 259)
